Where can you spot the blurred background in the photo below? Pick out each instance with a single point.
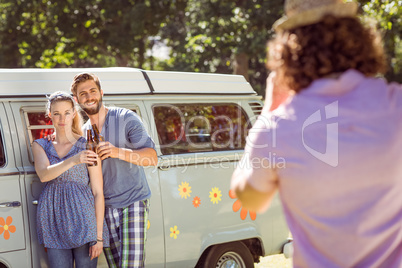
(178, 35)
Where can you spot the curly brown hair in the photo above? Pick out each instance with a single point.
(333, 45)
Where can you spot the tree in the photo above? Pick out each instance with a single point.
(83, 33)
(388, 14)
(222, 36)
(204, 35)
(16, 33)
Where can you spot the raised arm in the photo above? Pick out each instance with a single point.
(141, 157)
(276, 93)
(250, 197)
(140, 147)
(47, 172)
(255, 180)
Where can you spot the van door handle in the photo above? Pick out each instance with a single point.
(164, 168)
(35, 202)
(10, 204)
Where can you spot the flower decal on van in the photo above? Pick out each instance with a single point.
(184, 190)
(174, 232)
(196, 202)
(237, 205)
(215, 195)
(6, 227)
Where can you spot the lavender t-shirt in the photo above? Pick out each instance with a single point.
(335, 152)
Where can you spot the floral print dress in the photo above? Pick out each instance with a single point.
(66, 210)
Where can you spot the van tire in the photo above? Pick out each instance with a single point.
(223, 254)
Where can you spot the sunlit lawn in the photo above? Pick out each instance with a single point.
(274, 261)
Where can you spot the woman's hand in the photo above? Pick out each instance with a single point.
(95, 250)
(86, 156)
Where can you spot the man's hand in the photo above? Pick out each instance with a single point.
(140, 157)
(51, 137)
(106, 149)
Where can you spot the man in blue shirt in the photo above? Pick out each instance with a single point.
(126, 149)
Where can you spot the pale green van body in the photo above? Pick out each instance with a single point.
(213, 222)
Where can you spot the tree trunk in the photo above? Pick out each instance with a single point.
(390, 47)
(241, 65)
(141, 53)
(122, 61)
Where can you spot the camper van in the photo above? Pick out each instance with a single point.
(199, 123)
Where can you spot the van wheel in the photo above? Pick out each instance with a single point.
(230, 255)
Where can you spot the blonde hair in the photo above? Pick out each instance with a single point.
(64, 96)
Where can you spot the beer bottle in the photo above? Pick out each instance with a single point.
(91, 146)
(97, 136)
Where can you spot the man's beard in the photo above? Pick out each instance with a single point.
(92, 111)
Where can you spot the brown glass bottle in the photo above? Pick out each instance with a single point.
(97, 136)
(91, 146)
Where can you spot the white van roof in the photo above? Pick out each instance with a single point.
(120, 80)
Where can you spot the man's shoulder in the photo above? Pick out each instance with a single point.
(395, 91)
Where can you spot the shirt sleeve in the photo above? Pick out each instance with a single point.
(136, 133)
(395, 94)
(259, 159)
(42, 142)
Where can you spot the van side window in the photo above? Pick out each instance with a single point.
(2, 153)
(186, 128)
(39, 125)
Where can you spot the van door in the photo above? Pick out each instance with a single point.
(154, 247)
(201, 141)
(13, 251)
(32, 123)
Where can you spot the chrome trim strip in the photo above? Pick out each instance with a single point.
(10, 174)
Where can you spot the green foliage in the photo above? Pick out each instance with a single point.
(388, 14)
(214, 32)
(83, 33)
(204, 35)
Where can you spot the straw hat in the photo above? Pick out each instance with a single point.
(306, 12)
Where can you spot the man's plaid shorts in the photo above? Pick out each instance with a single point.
(127, 231)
